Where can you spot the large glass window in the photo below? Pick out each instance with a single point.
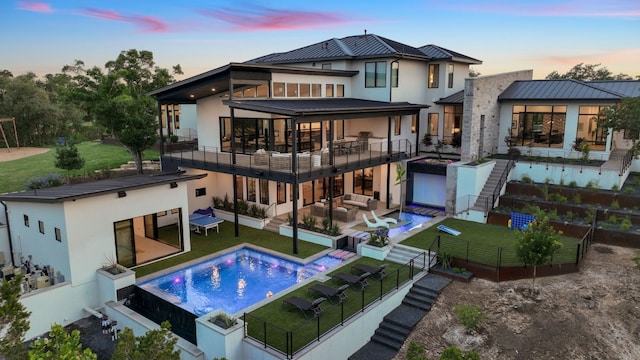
(316, 90)
(305, 90)
(363, 181)
(278, 89)
(432, 126)
(450, 76)
(251, 189)
(453, 125)
(339, 90)
(282, 193)
(240, 187)
(538, 125)
(588, 129)
(375, 74)
(394, 73)
(396, 125)
(414, 124)
(264, 191)
(328, 90)
(434, 71)
(292, 89)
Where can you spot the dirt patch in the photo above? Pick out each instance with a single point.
(19, 153)
(593, 314)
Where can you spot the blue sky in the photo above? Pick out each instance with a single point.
(543, 35)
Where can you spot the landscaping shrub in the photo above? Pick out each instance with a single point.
(615, 204)
(454, 353)
(557, 197)
(379, 238)
(591, 185)
(625, 224)
(615, 187)
(573, 184)
(47, 181)
(243, 207)
(577, 199)
(470, 315)
(526, 179)
(416, 351)
(568, 216)
(629, 190)
(613, 220)
(589, 215)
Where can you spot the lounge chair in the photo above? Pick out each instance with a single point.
(387, 220)
(335, 296)
(376, 224)
(377, 272)
(310, 309)
(358, 282)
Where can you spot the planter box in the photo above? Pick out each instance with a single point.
(450, 274)
(109, 282)
(599, 197)
(374, 252)
(311, 236)
(217, 342)
(242, 219)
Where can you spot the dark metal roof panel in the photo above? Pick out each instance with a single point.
(457, 98)
(565, 89)
(366, 45)
(314, 106)
(96, 188)
(439, 53)
(626, 88)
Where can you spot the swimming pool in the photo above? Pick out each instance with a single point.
(234, 281)
(413, 220)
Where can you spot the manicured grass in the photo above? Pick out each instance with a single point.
(481, 243)
(279, 321)
(205, 245)
(97, 157)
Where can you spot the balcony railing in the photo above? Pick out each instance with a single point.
(355, 155)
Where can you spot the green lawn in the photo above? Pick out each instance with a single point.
(97, 157)
(279, 321)
(481, 243)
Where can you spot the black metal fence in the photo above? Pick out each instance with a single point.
(289, 342)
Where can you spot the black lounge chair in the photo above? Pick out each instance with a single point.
(358, 282)
(335, 296)
(310, 309)
(377, 272)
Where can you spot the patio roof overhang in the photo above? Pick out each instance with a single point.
(218, 81)
(97, 188)
(327, 109)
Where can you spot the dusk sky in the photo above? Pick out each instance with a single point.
(543, 35)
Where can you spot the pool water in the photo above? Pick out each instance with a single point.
(233, 281)
(413, 220)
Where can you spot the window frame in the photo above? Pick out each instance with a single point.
(58, 234)
(450, 69)
(376, 77)
(41, 226)
(340, 90)
(25, 217)
(395, 73)
(433, 81)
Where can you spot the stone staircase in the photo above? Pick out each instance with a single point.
(396, 326)
(274, 224)
(490, 185)
(401, 254)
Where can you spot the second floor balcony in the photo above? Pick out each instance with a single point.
(343, 157)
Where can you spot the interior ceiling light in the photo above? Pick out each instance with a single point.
(191, 96)
(213, 89)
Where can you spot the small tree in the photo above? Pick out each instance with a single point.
(536, 244)
(154, 344)
(68, 158)
(400, 178)
(623, 116)
(60, 345)
(14, 320)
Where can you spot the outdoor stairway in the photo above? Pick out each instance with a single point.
(396, 326)
(402, 254)
(615, 160)
(274, 225)
(490, 185)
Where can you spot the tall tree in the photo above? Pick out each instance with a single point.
(588, 72)
(14, 320)
(536, 244)
(60, 345)
(624, 116)
(154, 344)
(400, 179)
(116, 97)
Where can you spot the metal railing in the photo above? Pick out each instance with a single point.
(214, 157)
(289, 342)
(626, 161)
(488, 206)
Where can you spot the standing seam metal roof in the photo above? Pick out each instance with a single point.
(568, 89)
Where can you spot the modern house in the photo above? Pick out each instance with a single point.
(287, 130)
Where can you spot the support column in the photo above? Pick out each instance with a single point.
(294, 171)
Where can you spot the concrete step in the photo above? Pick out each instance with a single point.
(390, 343)
(417, 302)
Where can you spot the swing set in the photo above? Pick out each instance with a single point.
(15, 132)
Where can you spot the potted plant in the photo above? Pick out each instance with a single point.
(223, 320)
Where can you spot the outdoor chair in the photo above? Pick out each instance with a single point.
(358, 282)
(333, 295)
(387, 220)
(377, 272)
(310, 309)
(374, 224)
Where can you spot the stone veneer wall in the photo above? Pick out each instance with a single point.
(481, 98)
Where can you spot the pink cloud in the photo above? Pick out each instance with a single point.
(36, 6)
(273, 20)
(145, 23)
(571, 8)
(613, 56)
